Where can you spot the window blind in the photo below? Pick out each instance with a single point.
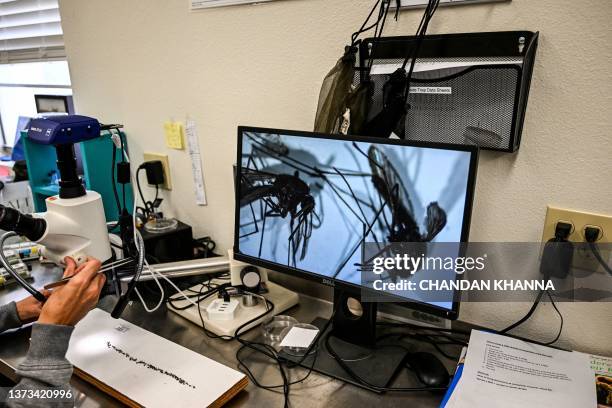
(30, 30)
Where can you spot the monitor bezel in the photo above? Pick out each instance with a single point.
(450, 314)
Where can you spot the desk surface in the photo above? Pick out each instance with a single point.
(316, 391)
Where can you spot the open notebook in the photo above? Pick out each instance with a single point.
(143, 369)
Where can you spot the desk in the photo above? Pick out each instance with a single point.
(316, 391)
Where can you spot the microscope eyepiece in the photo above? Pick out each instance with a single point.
(22, 224)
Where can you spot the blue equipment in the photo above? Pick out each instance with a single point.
(63, 129)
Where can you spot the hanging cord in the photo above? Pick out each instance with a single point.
(599, 258)
(530, 313)
(430, 10)
(378, 25)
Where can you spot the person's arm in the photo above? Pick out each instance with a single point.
(46, 368)
(9, 319)
(16, 314)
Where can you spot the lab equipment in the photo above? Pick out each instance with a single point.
(305, 203)
(61, 230)
(94, 162)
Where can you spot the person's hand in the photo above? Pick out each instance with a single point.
(70, 303)
(28, 309)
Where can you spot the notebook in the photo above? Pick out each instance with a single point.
(140, 368)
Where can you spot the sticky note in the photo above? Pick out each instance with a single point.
(299, 337)
(174, 135)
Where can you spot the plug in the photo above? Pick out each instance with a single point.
(592, 233)
(155, 172)
(563, 230)
(558, 253)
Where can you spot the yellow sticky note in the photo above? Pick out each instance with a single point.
(174, 135)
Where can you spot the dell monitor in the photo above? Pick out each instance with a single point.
(306, 203)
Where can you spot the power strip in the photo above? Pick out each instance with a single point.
(281, 297)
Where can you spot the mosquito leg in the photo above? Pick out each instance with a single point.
(263, 230)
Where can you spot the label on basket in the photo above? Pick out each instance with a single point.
(439, 90)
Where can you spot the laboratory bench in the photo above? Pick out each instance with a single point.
(317, 391)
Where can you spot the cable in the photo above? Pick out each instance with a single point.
(362, 381)
(560, 317)
(591, 234)
(523, 319)
(599, 258)
(113, 183)
(123, 156)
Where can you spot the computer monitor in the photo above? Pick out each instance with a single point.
(307, 202)
(303, 201)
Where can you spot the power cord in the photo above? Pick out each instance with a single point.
(562, 233)
(591, 235)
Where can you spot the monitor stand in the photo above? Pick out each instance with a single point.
(353, 338)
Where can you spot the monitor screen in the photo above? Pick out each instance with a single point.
(307, 202)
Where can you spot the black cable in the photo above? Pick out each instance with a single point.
(122, 161)
(599, 258)
(362, 381)
(144, 202)
(113, 181)
(362, 29)
(533, 308)
(432, 6)
(560, 317)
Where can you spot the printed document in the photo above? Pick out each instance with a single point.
(508, 373)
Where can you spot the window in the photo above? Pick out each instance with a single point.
(32, 60)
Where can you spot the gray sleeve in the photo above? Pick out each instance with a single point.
(46, 366)
(9, 319)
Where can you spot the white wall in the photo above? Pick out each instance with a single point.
(143, 62)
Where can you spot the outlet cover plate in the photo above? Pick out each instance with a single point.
(165, 163)
(583, 257)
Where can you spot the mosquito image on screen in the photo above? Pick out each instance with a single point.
(309, 203)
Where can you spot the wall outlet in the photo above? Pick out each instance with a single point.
(164, 159)
(583, 257)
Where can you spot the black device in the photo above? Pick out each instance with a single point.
(169, 246)
(54, 104)
(558, 253)
(292, 191)
(428, 368)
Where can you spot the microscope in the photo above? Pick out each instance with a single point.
(74, 224)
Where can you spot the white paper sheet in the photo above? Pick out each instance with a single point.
(508, 373)
(145, 367)
(386, 69)
(193, 145)
(299, 337)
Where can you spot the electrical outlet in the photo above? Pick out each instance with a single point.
(165, 163)
(583, 258)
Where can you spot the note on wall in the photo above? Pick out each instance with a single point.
(201, 4)
(193, 146)
(174, 135)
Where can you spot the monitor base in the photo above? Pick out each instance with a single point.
(378, 366)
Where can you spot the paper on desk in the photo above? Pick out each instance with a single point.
(507, 373)
(299, 337)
